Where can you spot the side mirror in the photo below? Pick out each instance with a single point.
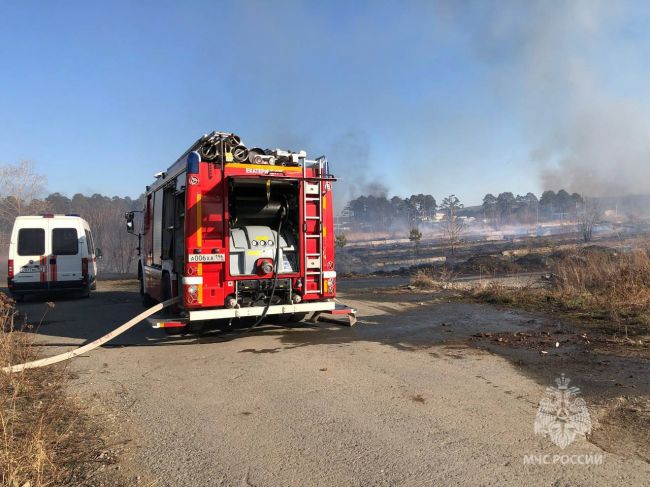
(99, 254)
(130, 225)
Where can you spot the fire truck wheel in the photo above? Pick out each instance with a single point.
(298, 317)
(195, 327)
(175, 330)
(166, 293)
(147, 301)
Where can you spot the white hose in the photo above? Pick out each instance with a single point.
(92, 345)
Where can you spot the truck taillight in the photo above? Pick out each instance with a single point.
(330, 285)
(192, 294)
(10, 269)
(193, 284)
(84, 267)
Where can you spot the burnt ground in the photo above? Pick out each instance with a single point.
(473, 257)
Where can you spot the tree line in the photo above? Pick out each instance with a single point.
(508, 209)
(380, 213)
(22, 192)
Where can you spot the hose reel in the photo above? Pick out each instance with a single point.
(217, 145)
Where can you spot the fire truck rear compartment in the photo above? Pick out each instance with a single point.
(256, 208)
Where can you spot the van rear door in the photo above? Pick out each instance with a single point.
(65, 258)
(30, 262)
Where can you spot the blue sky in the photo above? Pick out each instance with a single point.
(435, 97)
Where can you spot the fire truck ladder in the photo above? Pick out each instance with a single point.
(313, 193)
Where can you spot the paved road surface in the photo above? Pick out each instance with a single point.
(395, 400)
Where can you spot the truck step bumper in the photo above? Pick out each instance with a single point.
(279, 309)
(347, 313)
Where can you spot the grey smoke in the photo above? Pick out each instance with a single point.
(568, 75)
(573, 73)
(352, 149)
(574, 61)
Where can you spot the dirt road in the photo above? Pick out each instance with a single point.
(400, 399)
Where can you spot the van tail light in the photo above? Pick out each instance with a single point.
(10, 269)
(84, 268)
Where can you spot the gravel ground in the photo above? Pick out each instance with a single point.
(397, 400)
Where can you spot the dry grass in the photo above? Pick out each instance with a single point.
(526, 296)
(423, 279)
(615, 286)
(594, 284)
(430, 278)
(44, 439)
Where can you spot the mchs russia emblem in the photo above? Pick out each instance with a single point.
(562, 415)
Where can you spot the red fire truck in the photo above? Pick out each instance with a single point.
(238, 232)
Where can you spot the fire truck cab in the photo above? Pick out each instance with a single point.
(238, 233)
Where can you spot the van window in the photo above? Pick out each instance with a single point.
(31, 241)
(65, 241)
(90, 245)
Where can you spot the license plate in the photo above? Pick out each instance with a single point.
(30, 269)
(206, 258)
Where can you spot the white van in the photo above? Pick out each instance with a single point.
(50, 253)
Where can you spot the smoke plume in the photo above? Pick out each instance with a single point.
(352, 149)
(584, 103)
(451, 97)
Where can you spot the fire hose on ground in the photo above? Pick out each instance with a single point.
(92, 345)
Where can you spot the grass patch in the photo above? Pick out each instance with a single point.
(589, 284)
(423, 279)
(431, 278)
(45, 439)
(495, 293)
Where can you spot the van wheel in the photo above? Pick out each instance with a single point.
(86, 292)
